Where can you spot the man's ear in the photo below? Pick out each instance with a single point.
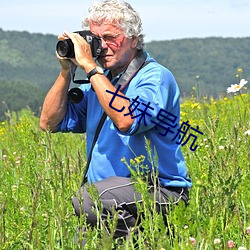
(134, 42)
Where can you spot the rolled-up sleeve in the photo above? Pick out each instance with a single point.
(75, 117)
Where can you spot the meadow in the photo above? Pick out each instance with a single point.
(40, 172)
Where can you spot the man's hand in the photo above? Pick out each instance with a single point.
(83, 54)
(66, 63)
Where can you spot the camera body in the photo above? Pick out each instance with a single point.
(65, 48)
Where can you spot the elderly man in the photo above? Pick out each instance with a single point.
(140, 98)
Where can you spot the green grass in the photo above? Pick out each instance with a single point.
(40, 172)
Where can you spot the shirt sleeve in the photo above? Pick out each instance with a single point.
(75, 117)
(154, 97)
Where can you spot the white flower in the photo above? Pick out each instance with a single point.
(22, 210)
(221, 147)
(242, 248)
(192, 240)
(217, 241)
(246, 133)
(237, 87)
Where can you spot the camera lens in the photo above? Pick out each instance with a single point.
(75, 95)
(65, 48)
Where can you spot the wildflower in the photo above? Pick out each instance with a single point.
(192, 240)
(132, 162)
(123, 160)
(248, 230)
(45, 216)
(22, 210)
(247, 133)
(237, 87)
(242, 248)
(14, 188)
(195, 105)
(240, 70)
(221, 147)
(216, 241)
(198, 182)
(230, 244)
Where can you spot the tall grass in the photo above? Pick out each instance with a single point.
(40, 172)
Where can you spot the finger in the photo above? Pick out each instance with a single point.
(75, 37)
(59, 57)
(66, 33)
(70, 34)
(69, 60)
(63, 36)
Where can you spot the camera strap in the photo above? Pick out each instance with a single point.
(136, 64)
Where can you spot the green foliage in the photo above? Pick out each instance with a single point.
(40, 172)
(36, 184)
(14, 95)
(28, 68)
(201, 66)
(210, 61)
(28, 58)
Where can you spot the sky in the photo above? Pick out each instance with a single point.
(162, 19)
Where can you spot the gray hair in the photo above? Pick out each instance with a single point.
(120, 13)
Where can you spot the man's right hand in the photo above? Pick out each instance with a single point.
(66, 63)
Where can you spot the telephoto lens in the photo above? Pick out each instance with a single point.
(65, 48)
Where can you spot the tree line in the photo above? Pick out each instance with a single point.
(202, 67)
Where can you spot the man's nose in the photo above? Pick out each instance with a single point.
(104, 44)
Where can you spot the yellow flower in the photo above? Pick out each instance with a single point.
(240, 70)
(138, 160)
(132, 162)
(195, 105)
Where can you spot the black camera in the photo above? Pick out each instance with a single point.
(65, 48)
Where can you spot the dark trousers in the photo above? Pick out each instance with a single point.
(119, 194)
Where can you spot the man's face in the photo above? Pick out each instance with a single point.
(118, 50)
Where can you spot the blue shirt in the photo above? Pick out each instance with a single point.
(153, 86)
